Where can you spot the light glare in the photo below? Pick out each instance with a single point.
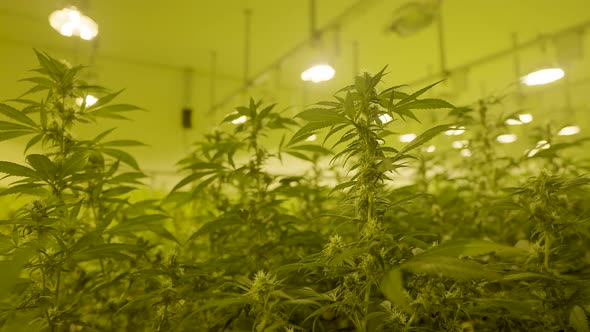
(456, 131)
(525, 118)
(506, 138)
(70, 22)
(460, 144)
(312, 138)
(318, 73)
(466, 153)
(240, 120)
(90, 100)
(569, 130)
(430, 148)
(405, 138)
(385, 118)
(543, 76)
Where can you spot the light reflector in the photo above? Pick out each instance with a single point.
(318, 73)
(543, 76)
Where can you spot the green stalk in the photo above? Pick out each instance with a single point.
(547, 250)
(366, 307)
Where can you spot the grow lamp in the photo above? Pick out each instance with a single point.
(318, 73)
(506, 138)
(466, 153)
(90, 100)
(522, 118)
(240, 120)
(71, 22)
(405, 138)
(543, 76)
(456, 131)
(385, 118)
(460, 144)
(569, 130)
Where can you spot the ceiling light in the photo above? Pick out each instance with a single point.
(543, 76)
(318, 73)
(460, 144)
(240, 120)
(430, 148)
(506, 138)
(385, 118)
(569, 130)
(405, 138)
(456, 131)
(71, 22)
(466, 153)
(312, 138)
(90, 100)
(541, 145)
(525, 118)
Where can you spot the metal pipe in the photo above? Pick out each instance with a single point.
(247, 41)
(441, 43)
(213, 78)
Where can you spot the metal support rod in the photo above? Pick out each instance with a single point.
(516, 63)
(441, 43)
(313, 31)
(355, 58)
(187, 92)
(213, 78)
(247, 46)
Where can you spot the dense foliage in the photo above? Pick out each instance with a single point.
(491, 243)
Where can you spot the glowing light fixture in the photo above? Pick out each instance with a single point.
(90, 100)
(541, 145)
(240, 120)
(543, 76)
(569, 130)
(460, 144)
(312, 138)
(456, 131)
(385, 118)
(506, 138)
(71, 22)
(318, 73)
(405, 138)
(466, 153)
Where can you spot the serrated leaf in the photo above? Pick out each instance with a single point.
(17, 115)
(451, 267)
(322, 115)
(122, 156)
(423, 138)
(43, 165)
(392, 286)
(17, 170)
(578, 319)
(110, 250)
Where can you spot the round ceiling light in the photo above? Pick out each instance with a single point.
(71, 22)
(543, 76)
(318, 73)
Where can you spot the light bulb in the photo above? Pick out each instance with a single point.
(90, 100)
(71, 22)
(506, 138)
(525, 118)
(405, 138)
(459, 144)
(318, 73)
(456, 131)
(385, 118)
(543, 76)
(240, 120)
(569, 130)
(466, 153)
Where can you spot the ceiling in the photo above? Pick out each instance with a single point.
(148, 47)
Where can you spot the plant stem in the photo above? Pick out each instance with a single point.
(547, 250)
(366, 307)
